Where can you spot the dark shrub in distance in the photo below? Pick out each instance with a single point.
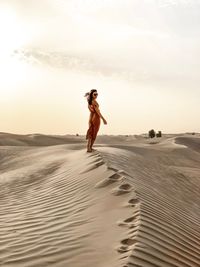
(159, 134)
(152, 133)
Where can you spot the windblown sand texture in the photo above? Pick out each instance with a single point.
(133, 202)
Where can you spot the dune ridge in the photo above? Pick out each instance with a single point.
(168, 230)
(125, 204)
(49, 210)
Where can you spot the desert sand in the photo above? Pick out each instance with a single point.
(133, 202)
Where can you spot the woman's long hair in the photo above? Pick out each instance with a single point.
(89, 96)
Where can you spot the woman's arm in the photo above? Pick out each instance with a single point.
(99, 113)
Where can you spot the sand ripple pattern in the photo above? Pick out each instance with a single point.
(60, 208)
(164, 229)
(120, 206)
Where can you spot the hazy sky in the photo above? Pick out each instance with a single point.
(143, 56)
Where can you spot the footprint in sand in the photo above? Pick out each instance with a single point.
(115, 177)
(122, 189)
(130, 222)
(126, 245)
(133, 202)
(128, 242)
(123, 249)
(94, 165)
(107, 181)
(132, 219)
(125, 186)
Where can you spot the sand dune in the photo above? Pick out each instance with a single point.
(192, 143)
(7, 139)
(129, 203)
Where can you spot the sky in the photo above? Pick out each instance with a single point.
(142, 56)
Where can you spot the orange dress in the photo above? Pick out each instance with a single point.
(94, 123)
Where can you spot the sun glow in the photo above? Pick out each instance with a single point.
(13, 35)
(12, 32)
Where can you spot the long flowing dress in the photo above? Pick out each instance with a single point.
(94, 123)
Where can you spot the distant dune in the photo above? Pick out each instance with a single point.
(7, 139)
(134, 202)
(192, 143)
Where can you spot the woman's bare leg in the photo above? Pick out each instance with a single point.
(89, 145)
(92, 143)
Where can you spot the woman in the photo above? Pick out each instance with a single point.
(94, 120)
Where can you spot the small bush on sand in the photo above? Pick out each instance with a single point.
(159, 134)
(152, 133)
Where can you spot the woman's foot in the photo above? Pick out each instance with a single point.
(91, 150)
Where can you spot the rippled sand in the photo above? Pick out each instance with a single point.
(132, 202)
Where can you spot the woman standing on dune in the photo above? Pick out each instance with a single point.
(94, 120)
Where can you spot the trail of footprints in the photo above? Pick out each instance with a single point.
(132, 223)
(97, 162)
(150, 239)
